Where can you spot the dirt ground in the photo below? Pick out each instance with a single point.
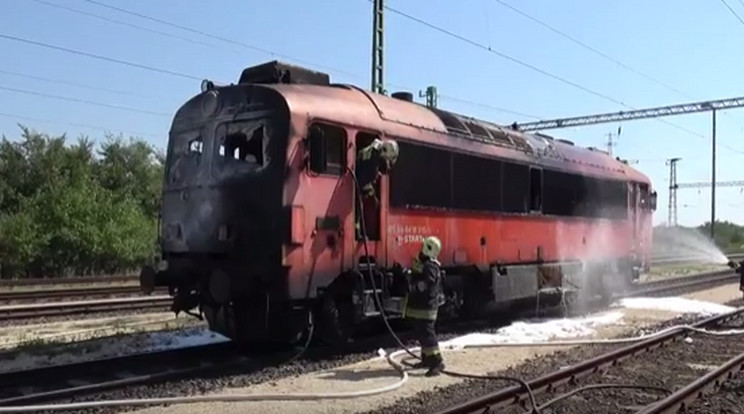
(376, 373)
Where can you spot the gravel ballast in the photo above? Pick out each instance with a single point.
(345, 372)
(591, 401)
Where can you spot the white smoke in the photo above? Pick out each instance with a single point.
(589, 248)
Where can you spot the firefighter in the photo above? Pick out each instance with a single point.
(739, 267)
(377, 157)
(741, 276)
(424, 298)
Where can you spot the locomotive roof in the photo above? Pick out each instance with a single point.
(397, 117)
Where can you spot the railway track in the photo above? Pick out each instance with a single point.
(127, 285)
(62, 381)
(38, 310)
(504, 398)
(162, 302)
(674, 260)
(685, 396)
(48, 384)
(70, 281)
(681, 284)
(39, 295)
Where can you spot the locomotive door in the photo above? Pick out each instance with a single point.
(370, 210)
(633, 213)
(326, 201)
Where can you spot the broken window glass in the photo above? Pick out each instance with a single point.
(195, 145)
(242, 141)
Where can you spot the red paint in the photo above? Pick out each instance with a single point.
(509, 238)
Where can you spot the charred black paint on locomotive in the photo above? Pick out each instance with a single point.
(279, 72)
(219, 212)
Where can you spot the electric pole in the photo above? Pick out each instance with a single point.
(378, 80)
(672, 209)
(611, 143)
(713, 182)
(431, 96)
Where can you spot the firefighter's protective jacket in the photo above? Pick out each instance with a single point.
(425, 291)
(369, 164)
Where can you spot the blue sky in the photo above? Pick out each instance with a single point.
(688, 45)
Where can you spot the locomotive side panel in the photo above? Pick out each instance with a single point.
(317, 192)
(325, 236)
(483, 240)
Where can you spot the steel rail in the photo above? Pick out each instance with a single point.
(66, 293)
(171, 363)
(697, 281)
(681, 398)
(516, 394)
(69, 280)
(26, 311)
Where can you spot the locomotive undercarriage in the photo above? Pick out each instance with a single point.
(471, 292)
(246, 307)
(250, 309)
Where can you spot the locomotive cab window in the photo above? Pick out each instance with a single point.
(516, 183)
(536, 189)
(195, 146)
(243, 143)
(327, 148)
(421, 178)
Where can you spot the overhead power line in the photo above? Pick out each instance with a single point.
(217, 37)
(94, 103)
(706, 184)
(733, 12)
(287, 57)
(590, 48)
(527, 65)
(99, 57)
(78, 125)
(648, 113)
(63, 82)
(681, 109)
(495, 108)
(502, 55)
(119, 22)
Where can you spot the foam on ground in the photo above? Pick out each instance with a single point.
(538, 331)
(675, 304)
(111, 347)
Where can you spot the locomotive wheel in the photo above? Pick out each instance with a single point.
(336, 325)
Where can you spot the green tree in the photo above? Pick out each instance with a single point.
(63, 210)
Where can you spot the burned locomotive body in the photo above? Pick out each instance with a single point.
(261, 220)
(221, 221)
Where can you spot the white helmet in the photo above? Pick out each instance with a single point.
(389, 150)
(431, 247)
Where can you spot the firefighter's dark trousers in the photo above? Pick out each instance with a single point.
(423, 330)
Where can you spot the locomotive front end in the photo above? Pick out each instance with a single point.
(221, 208)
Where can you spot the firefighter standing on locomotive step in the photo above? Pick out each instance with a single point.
(423, 304)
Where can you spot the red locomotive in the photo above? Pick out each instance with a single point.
(260, 219)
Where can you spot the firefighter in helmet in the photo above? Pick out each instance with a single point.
(424, 298)
(377, 157)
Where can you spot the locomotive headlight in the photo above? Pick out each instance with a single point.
(206, 85)
(210, 103)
